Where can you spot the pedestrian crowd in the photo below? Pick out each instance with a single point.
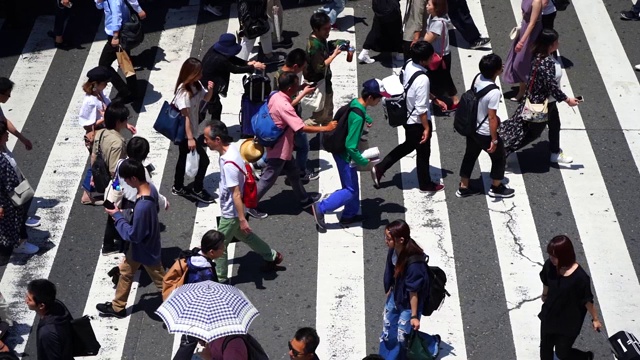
(117, 179)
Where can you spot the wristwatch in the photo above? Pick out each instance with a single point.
(494, 142)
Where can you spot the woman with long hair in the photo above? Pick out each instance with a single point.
(437, 34)
(190, 97)
(518, 63)
(544, 84)
(566, 297)
(406, 282)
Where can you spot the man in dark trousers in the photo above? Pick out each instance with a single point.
(462, 20)
(218, 64)
(53, 337)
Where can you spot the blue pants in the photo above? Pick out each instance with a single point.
(333, 9)
(301, 144)
(86, 183)
(348, 196)
(396, 328)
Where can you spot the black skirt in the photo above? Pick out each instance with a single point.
(385, 34)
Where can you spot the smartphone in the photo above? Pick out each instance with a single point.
(108, 205)
(580, 98)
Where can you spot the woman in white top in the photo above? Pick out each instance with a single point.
(437, 33)
(189, 96)
(91, 115)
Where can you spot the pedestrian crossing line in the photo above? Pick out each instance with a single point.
(610, 265)
(176, 41)
(54, 197)
(616, 71)
(515, 233)
(29, 73)
(340, 308)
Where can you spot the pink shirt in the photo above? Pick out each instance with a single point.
(283, 114)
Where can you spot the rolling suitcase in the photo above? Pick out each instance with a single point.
(624, 345)
(248, 108)
(257, 88)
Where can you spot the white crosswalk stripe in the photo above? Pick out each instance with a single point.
(343, 315)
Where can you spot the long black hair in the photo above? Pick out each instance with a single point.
(544, 41)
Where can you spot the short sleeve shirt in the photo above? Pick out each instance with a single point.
(91, 109)
(283, 115)
(184, 101)
(489, 101)
(113, 147)
(230, 176)
(438, 26)
(2, 117)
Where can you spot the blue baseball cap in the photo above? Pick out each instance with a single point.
(375, 87)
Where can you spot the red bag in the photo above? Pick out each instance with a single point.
(437, 60)
(250, 189)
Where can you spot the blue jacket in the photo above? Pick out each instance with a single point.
(414, 279)
(144, 231)
(115, 11)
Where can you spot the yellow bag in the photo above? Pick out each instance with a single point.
(174, 277)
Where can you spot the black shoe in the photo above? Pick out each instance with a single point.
(629, 15)
(480, 43)
(106, 309)
(501, 191)
(254, 213)
(351, 220)
(376, 175)
(110, 249)
(203, 196)
(114, 274)
(180, 192)
(464, 192)
(312, 199)
(273, 265)
(318, 216)
(590, 355)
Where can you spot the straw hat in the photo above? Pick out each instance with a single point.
(251, 151)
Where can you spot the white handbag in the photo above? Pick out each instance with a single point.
(315, 101)
(535, 113)
(515, 33)
(22, 193)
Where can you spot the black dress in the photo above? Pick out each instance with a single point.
(386, 33)
(564, 310)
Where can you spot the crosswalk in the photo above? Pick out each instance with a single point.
(491, 251)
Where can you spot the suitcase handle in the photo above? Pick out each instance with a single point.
(606, 339)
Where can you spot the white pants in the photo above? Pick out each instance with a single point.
(247, 45)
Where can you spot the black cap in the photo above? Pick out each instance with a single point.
(99, 74)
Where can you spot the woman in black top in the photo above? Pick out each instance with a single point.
(544, 84)
(566, 297)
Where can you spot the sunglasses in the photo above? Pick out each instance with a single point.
(295, 352)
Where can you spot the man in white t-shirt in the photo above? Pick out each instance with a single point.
(233, 222)
(486, 136)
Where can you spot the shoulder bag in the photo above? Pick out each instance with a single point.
(437, 60)
(315, 101)
(535, 113)
(100, 169)
(170, 122)
(22, 193)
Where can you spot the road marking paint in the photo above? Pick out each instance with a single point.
(29, 74)
(340, 310)
(176, 41)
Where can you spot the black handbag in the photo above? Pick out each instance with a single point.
(84, 339)
(100, 170)
(131, 33)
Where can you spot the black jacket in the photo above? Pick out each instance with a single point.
(54, 334)
(218, 68)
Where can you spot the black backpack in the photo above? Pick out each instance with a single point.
(384, 8)
(466, 118)
(561, 5)
(84, 338)
(131, 34)
(254, 349)
(252, 15)
(100, 170)
(395, 107)
(334, 141)
(437, 282)
(257, 87)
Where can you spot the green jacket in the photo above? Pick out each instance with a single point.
(355, 132)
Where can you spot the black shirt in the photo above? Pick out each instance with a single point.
(218, 68)
(564, 310)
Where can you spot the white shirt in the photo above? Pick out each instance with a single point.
(418, 94)
(91, 109)
(489, 101)
(131, 193)
(230, 176)
(549, 9)
(183, 101)
(558, 68)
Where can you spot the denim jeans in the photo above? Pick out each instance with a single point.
(348, 196)
(301, 146)
(333, 9)
(395, 328)
(86, 183)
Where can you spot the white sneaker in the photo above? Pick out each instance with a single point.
(561, 158)
(215, 10)
(637, 67)
(363, 57)
(26, 248)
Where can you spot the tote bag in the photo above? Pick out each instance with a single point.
(315, 102)
(170, 122)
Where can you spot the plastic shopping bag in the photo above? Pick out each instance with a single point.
(191, 169)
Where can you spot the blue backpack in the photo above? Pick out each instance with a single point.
(266, 131)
